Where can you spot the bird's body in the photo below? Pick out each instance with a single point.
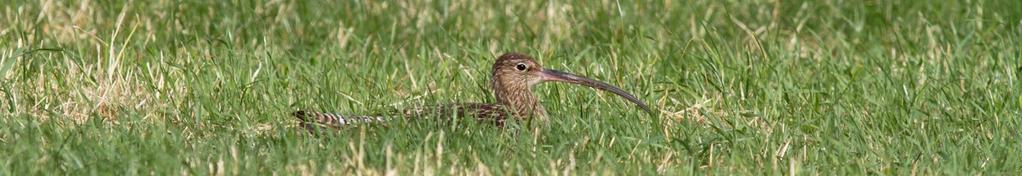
(512, 79)
(485, 112)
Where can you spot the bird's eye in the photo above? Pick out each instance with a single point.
(521, 67)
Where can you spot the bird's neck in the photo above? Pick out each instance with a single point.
(518, 99)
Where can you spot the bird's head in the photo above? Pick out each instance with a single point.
(519, 71)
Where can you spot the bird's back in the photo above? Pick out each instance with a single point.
(485, 112)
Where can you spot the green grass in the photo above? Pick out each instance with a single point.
(742, 87)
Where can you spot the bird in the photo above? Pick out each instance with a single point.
(512, 78)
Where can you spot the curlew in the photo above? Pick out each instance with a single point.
(512, 79)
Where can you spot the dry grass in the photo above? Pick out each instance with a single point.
(758, 87)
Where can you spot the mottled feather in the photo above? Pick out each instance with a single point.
(491, 113)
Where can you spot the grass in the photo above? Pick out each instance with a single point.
(742, 87)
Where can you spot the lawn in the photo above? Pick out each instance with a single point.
(761, 87)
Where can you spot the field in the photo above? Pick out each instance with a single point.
(739, 87)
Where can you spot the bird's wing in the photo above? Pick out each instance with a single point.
(487, 112)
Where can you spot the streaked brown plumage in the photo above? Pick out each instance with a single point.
(512, 78)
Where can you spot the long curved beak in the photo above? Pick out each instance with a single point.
(554, 75)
